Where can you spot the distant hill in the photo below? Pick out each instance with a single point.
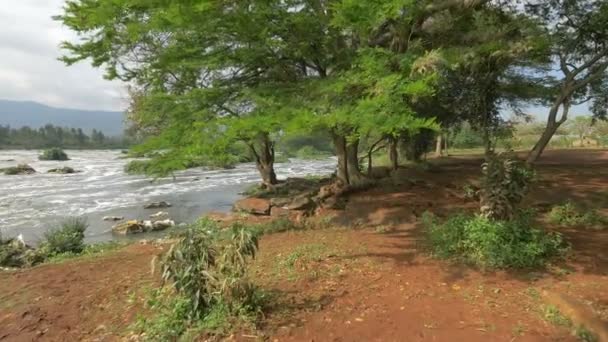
(18, 114)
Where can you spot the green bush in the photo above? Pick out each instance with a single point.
(492, 244)
(54, 153)
(568, 214)
(209, 287)
(505, 182)
(211, 268)
(68, 237)
(14, 253)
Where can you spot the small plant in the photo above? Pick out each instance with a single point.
(54, 153)
(303, 259)
(470, 192)
(552, 314)
(505, 183)
(582, 333)
(68, 237)
(568, 214)
(491, 243)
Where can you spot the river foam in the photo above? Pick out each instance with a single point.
(30, 203)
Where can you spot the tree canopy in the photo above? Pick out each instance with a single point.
(206, 75)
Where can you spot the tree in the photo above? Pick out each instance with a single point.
(211, 73)
(579, 37)
(582, 127)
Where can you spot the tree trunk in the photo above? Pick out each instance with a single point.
(550, 129)
(355, 176)
(348, 161)
(542, 143)
(340, 146)
(439, 146)
(487, 143)
(393, 153)
(264, 160)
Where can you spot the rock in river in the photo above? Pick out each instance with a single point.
(255, 206)
(21, 169)
(162, 225)
(160, 215)
(129, 227)
(113, 218)
(157, 205)
(63, 170)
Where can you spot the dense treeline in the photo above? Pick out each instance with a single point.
(383, 75)
(54, 136)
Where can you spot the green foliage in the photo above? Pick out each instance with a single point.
(209, 289)
(311, 153)
(492, 244)
(209, 270)
(583, 334)
(569, 214)
(14, 253)
(466, 137)
(554, 316)
(505, 183)
(54, 153)
(88, 251)
(67, 237)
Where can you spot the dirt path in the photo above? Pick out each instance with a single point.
(370, 281)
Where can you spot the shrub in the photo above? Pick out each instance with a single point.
(14, 253)
(207, 271)
(505, 183)
(68, 237)
(211, 269)
(54, 153)
(568, 214)
(490, 243)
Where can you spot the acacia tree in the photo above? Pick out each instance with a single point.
(194, 63)
(579, 36)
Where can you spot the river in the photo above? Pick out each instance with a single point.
(30, 204)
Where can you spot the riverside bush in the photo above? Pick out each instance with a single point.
(206, 286)
(54, 153)
(68, 237)
(492, 243)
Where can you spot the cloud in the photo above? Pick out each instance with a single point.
(29, 69)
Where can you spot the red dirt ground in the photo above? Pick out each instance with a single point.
(369, 281)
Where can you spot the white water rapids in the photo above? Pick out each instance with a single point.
(30, 204)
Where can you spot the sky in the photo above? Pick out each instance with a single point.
(30, 71)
